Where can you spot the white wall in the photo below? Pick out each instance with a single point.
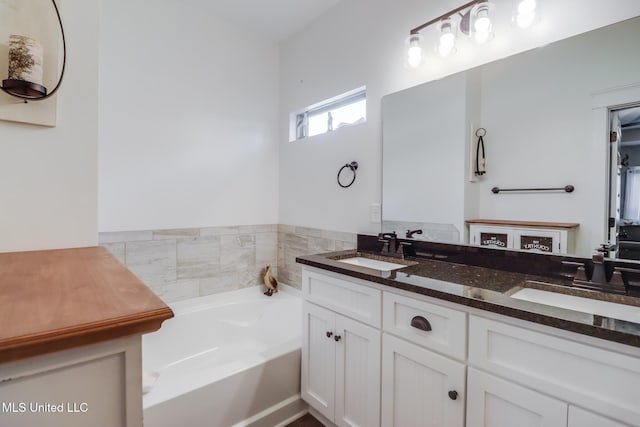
(48, 179)
(188, 119)
(361, 42)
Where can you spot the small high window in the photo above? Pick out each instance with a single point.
(346, 109)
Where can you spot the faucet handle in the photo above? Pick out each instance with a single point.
(617, 283)
(385, 246)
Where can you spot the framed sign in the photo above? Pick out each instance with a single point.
(498, 240)
(536, 243)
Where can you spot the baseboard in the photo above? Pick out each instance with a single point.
(277, 415)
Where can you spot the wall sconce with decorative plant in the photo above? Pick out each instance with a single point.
(473, 19)
(31, 60)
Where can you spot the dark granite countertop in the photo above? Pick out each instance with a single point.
(490, 289)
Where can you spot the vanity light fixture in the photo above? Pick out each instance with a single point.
(526, 13)
(474, 20)
(25, 67)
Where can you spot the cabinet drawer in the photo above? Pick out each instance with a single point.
(347, 298)
(447, 334)
(601, 380)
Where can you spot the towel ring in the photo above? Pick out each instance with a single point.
(353, 166)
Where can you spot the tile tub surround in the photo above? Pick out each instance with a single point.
(296, 241)
(189, 262)
(185, 263)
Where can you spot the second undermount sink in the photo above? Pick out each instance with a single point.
(372, 263)
(598, 307)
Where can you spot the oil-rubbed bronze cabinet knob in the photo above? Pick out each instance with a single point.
(337, 338)
(329, 334)
(453, 395)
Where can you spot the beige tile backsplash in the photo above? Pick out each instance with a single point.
(184, 263)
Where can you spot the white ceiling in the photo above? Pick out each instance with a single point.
(274, 19)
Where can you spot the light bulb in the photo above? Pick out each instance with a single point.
(414, 53)
(482, 25)
(414, 56)
(447, 42)
(526, 13)
(527, 6)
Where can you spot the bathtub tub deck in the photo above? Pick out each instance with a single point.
(230, 359)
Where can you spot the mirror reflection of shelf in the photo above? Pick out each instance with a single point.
(533, 236)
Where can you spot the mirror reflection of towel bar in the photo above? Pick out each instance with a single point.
(566, 188)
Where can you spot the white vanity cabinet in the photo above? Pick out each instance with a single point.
(405, 360)
(494, 402)
(544, 237)
(422, 385)
(531, 374)
(579, 417)
(340, 355)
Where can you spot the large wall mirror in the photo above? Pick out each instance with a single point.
(539, 112)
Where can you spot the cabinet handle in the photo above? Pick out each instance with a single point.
(329, 334)
(337, 338)
(421, 323)
(453, 395)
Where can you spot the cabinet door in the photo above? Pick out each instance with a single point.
(580, 418)
(494, 402)
(357, 374)
(545, 241)
(493, 237)
(419, 387)
(318, 359)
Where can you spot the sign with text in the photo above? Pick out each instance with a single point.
(498, 240)
(536, 243)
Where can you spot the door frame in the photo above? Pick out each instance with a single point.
(602, 103)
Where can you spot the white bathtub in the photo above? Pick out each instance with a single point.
(230, 359)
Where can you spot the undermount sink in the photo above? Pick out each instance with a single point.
(598, 307)
(372, 263)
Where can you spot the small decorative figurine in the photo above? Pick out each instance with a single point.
(270, 282)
